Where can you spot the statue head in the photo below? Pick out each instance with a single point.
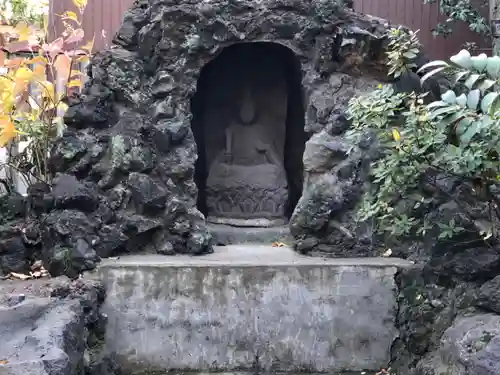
(247, 112)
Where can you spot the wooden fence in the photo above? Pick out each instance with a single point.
(103, 18)
(424, 17)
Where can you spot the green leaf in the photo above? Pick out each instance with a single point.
(452, 118)
(473, 99)
(471, 80)
(442, 111)
(487, 101)
(493, 66)
(409, 55)
(433, 64)
(494, 105)
(449, 97)
(462, 100)
(462, 59)
(437, 103)
(471, 131)
(479, 62)
(461, 75)
(464, 124)
(486, 85)
(427, 75)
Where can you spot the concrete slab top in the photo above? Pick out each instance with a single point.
(248, 255)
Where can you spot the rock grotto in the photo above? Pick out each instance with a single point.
(209, 121)
(174, 126)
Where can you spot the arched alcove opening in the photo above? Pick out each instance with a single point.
(248, 122)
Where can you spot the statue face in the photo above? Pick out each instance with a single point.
(247, 110)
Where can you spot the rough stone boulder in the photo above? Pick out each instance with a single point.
(46, 326)
(336, 175)
(16, 254)
(489, 295)
(470, 346)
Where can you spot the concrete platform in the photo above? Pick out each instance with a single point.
(251, 307)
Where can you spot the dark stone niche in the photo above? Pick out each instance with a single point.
(248, 122)
(202, 110)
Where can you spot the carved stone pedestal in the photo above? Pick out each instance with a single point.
(246, 196)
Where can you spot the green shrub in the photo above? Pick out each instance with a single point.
(455, 138)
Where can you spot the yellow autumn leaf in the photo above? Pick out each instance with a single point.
(34, 109)
(24, 74)
(22, 78)
(76, 73)
(83, 59)
(7, 130)
(74, 83)
(81, 4)
(48, 91)
(5, 83)
(40, 72)
(89, 46)
(62, 65)
(14, 63)
(62, 106)
(23, 31)
(45, 23)
(69, 15)
(36, 60)
(396, 135)
(7, 102)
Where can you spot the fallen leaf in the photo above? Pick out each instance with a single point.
(278, 244)
(387, 253)
(37, 265)
(19, 276)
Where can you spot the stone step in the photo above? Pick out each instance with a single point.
(251, 307)
(231, 235)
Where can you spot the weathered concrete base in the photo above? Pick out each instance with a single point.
(251, 308)
(230, 235)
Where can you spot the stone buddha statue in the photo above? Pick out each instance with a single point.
(246, 184)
